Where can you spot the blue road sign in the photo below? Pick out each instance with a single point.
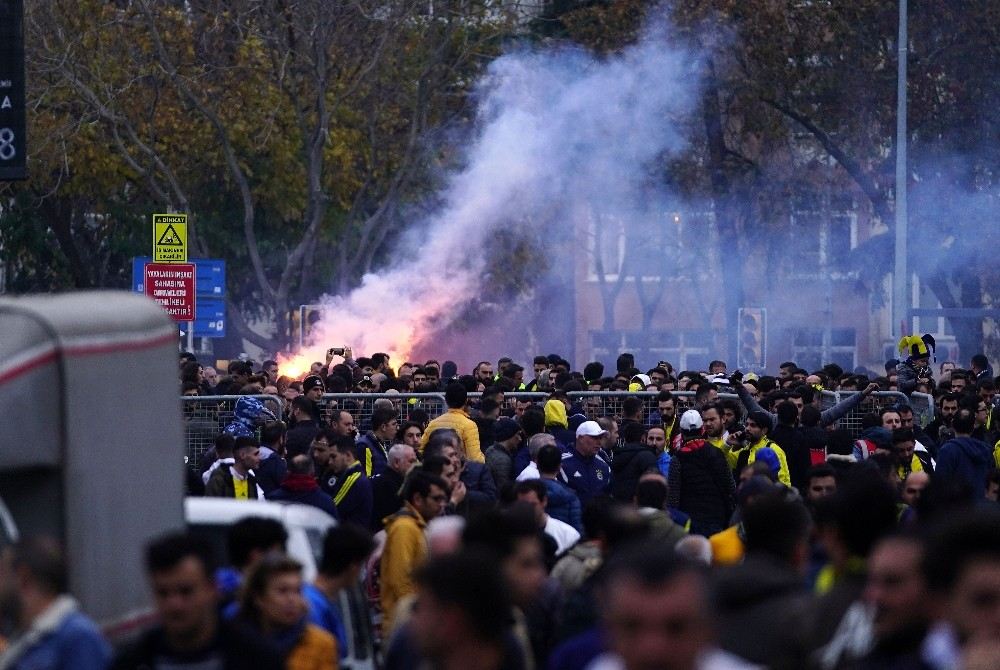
(210, 317)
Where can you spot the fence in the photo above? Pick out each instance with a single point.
(206, 416)
(922, 404)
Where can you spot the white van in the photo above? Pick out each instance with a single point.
(306, 526)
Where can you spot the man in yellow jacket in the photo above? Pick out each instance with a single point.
(457, 418)
(405, 546)
(747, 445)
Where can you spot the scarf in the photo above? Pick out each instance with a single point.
(297, 483)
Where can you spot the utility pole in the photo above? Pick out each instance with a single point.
(901, 302)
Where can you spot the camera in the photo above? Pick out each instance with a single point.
(336, 351)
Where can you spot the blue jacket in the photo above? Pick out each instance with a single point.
(315, 497)
(74, 644)
(965, 460)
(271, 471)
(481, 490)
(326, 614)
(352, 494)
(373, 455)
(589, 477)
(563, 504)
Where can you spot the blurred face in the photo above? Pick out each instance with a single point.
(345, 424)
(315, 393)
(958, 384)
(821, 487)
(405, 370)
(610, 438)
(387, 431)
(321, 453)
(891, 421)
(906, 420)
(656, 439)
(754, 431)
(433, 505)
(973, 606)
(718, 369)
(982, 413)
(661, 627)
(949, 408)
(185, 598)
(914, 485)
(484, 372)
(210, 375)
(403, 464)
(904, 451)
(657, 379)
(525, 570)
(667, 410)
(538, 505)
(728, 416)
(712, 422)
(895, 587)
(451, 453)
(419, 379)
(340, 460)
(412, 436)
(797, 402)
(588, 445)
(282, 605)
(593, 407)
(539, 368)
(248, 458)
(519, 407)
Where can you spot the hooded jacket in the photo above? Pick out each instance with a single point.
(630, 461)
(908, 376)
(303, 489)
(965, 459)
(701, 484)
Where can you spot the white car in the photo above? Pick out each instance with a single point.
(306, 527)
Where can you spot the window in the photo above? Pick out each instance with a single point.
(812, 348)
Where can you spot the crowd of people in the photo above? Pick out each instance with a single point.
(744, 528)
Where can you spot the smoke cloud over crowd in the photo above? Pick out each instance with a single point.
(559, 134)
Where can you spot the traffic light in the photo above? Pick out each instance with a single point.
(752, 343)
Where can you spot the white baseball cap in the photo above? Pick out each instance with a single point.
(691, 420)
(591, 428)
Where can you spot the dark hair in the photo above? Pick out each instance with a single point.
(383, 415)
(593, 371)
(663, 396)
(245, 442)
(762, 419)
(434, 464)
(303, 404)
(703, 390)
(532, 485)
(499, 530)
(473, 582)
(864, 489)
(821, 470)
(456, 396)
(625, 363)
(405, 427)
(787, 413)
(343, 546)
(418, 481)
(810, 416)
(548, 459)
(168, 551)
(224, 443)
(651, 493)
(631, 406)
(632, 431)
(488, 405)
(968, 537)
(344, 444)
(439, 439)
(45, 561)
(902, 435)
(775, 526)
(301, 464)
(253, 534)
(255, 584)
(272, 432)
(964, 422)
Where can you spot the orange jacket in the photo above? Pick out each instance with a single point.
(316, 650)
(405, 550)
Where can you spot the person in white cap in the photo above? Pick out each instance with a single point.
(584, 471)
(700, 482)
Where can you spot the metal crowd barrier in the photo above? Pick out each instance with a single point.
(361, 406)
(207, 415)
(873, 404)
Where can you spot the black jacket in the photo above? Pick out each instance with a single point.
(300, 437)
(630, 461)
(481, 490)
(237, 649)
(386, 500)
(789, 438)
(701, 485)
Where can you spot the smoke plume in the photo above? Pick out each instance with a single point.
(560, 135)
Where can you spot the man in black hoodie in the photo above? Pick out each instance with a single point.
(630, 462)
(964, 461)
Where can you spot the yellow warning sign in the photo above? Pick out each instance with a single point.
(170, 238)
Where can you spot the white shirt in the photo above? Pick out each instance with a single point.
(563, 533)
(530, 472)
